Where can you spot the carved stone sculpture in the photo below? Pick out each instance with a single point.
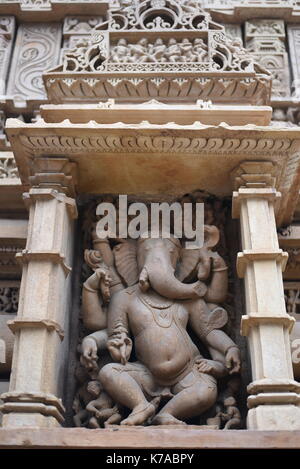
(174, 51)
(155, 288)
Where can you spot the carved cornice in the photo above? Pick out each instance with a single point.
(64, 87)
(188, 150)
(152, 144)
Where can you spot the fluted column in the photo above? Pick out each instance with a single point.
(40, 349)
(274, 394)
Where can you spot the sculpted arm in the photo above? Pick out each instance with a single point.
(91, 344)
(218, 287)
(207, 326)
(119, 343)
(94, 317)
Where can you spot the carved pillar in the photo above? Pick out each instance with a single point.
(274, 400)
(41, 326)
(294, 44)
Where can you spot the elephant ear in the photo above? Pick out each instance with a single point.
(93, 259)
(190, 258)
(126, 262)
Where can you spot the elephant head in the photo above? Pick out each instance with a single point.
(164, 265)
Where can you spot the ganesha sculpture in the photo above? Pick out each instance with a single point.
(139, 301)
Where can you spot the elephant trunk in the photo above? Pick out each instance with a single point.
(158, 272)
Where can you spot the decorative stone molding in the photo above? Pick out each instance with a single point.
(37, 49)
(8, 168)
(265, 39)
(7, 30)
(60, 144)
(63, 88)
(109, 112)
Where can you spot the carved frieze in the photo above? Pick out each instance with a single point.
(160, 51)
(37, 49)
(265, 39)
(7, 30)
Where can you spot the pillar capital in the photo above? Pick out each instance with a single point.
(54, 173)
(253, 180)
(253, 175)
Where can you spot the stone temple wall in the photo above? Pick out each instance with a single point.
(103, 63)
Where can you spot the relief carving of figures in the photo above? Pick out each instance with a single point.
(172, 51)
(138, 304)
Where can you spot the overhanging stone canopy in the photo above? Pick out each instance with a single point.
(150, 160)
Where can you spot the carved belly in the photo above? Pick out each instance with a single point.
(165, 351)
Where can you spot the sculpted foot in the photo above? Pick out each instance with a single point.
(167, 419)
(139, 415)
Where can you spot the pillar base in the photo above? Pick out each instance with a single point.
(274, 417)
(29, 420)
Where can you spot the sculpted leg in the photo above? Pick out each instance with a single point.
(189, 402)
(126, 390)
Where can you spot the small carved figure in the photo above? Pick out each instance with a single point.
(186, 48)
(101, 407)
(81, 399)
(158, 50)
(173, 52)
(232, 415)
(200, 50)
(120, 52)
(139, 52)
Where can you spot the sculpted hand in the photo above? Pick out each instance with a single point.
(104, 283)
(233, 360)
(89, 355)
(218, 261)
(204, 366)
(120, 347)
